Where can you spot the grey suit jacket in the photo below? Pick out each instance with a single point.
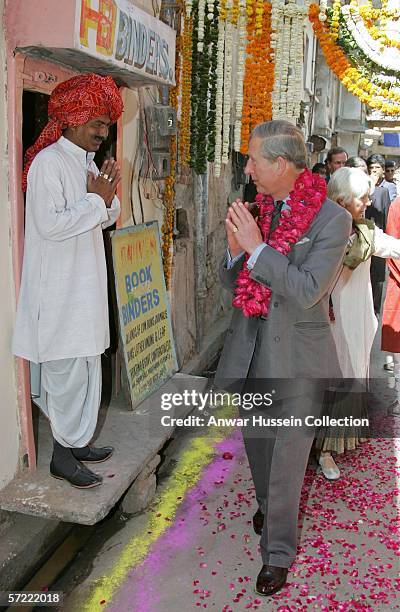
(295, 340)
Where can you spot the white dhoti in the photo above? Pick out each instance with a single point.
(70, 398)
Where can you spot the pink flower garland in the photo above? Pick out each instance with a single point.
(305, 202)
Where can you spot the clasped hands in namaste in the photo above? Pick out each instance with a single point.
(106, 183)
(241, 228)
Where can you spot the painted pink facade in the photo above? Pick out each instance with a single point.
(39, 22)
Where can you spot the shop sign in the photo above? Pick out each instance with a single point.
(118, 31)
(145, 324)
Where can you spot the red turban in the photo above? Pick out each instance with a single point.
(75, 102)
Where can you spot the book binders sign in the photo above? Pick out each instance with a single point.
(143, 309)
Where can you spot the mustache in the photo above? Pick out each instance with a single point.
(102, 138)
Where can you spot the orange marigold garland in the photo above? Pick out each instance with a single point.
(259, 72)
(184, 129)
(375, 96)
(169, 192)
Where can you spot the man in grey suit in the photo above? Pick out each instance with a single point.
(292, 343)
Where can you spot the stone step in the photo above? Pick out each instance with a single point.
(137, 437)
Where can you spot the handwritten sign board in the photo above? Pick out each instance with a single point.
(132, 40)
(143, 309)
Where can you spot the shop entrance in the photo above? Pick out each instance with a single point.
(136, 437)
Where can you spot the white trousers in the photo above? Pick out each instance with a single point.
(70, 394)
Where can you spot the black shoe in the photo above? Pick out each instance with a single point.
(93, 454)
(271, 579)
(78, 475)
(258, 522)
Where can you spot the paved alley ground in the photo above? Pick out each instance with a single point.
(196, 548)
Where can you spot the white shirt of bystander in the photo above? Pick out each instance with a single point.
(63, 303)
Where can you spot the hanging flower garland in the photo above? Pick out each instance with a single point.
(287, 41)
(241, 58)
(370, 14)
(372, 49)
(337, 5)
(248, 80)
(374, 95)
(382, 38)
(259, 11)
(263, 66)
(184, 131)
(200, 25)
(226, 109)
(200, 84)
(188, 5)
(357, 57)
(167, 228)
(277, 43)
(259, 69)
(295, 80)
(219, 89)
(323, 5)
(212, 16)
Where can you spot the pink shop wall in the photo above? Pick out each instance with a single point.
(40, 22)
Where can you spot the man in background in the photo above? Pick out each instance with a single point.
(376, 169)
(390, 169)
(378, 211)
(336, 158)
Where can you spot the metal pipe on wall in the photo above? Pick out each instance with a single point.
(200, 198)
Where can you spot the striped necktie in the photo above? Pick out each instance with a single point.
(275, 216)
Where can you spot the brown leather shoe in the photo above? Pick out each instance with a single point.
(258, 522)
(271, 579)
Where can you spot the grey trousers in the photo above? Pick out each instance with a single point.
(70, 394)
(278, 460)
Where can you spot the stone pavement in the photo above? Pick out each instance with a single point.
(195, 548)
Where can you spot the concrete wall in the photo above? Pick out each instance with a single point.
(326, 99)
(221, 194)
(135, 101)
(183, 283)
(9, 429)
(350, 121)
(349, 141)
(182, 294)
(183, 286)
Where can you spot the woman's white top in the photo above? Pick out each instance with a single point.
(63, 305)
(355, 322)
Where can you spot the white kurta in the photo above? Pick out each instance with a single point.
(63, 304)
(355, 323)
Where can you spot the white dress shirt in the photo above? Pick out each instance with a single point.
(63, 304)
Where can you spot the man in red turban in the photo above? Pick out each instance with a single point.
(75, 102)
(62, 314)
